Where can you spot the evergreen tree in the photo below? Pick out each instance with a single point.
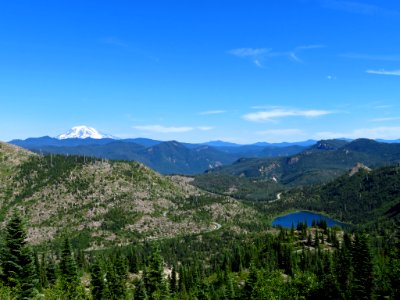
(250, 282)
(68, 271)
(116, 288)
(132, 261)
(202, 292)
(230, 288)
(316, 244)
(28, 280)
(153, 277)
(343, 267)
(362, 261)
(329, 288)
(120, 266)
(40, 265)
(140, 291)
(50, 270)
(97, 281)
(18, 270)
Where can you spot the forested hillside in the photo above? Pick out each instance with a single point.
(82, 228)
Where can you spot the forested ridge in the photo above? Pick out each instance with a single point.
(244, 259)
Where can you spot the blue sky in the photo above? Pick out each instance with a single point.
(240, 71)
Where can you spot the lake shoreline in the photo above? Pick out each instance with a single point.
(306, 217)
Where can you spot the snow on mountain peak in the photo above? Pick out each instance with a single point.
(83, 132)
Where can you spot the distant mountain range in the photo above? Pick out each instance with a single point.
(172, 157)
(169, 157)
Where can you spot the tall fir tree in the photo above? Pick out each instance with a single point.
(18, 270)
(68, 271)
(362, 261)
(153, 277)
(343, 267)
(97, 281)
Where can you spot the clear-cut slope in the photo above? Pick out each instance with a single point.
(105, 202)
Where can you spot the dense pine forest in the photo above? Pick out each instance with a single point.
(299, 263)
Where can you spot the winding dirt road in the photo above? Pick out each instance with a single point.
(278, 197)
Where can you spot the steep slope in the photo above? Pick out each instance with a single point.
(102, 202)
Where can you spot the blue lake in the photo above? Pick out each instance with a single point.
(304, 216)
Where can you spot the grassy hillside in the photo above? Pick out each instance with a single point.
(104, 202)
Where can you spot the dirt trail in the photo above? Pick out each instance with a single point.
(278, 197)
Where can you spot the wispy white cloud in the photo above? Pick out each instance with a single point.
(358, 8)
(331, 77)
(385, 119)
(212, 112)
(259, 55)
(163, 129)
(384, 72)
(205, 128)
(379, 57)
(255, 54)
(271, 115)
(382, 132)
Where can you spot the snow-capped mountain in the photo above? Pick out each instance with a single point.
(83, 132)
